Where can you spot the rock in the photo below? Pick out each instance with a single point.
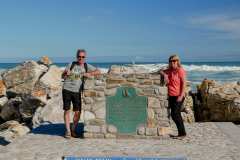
(93, 135)
(14, 132)
(111, 129)
(3, 101)
(52, 79)
(229, 91)
(188, 114)
(116, 81)
(23, 78)
(20, 130)
(151, 131)
(45, 61)
(2, 88)
(142, 76)
(218, 102)
(10, 111)
(92, 129)
(99, 88)
(237, 88)
(146, 82)
(100, 94)
(109, 135)
(164, 131)
(101, 113)
(90, 93)
(86, 107)
(88, 116)
(163, 90)
(150, 113)
(110, 86)
(104, 129)
(153, 103)
(8, 124)
(98, 105)
(27, 108)
(99, 99)
(87, 100)
(95, 122)
(236, 100)
(52, 112)
(141, 130)
(89, 84)
(110, 92)
(99, 83)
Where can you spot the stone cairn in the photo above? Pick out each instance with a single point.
(149, 85)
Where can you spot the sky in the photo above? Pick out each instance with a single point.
(120, 30)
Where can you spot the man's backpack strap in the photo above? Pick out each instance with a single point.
(86, 67)
(73, 64)
(83, 78)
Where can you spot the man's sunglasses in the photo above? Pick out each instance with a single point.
(81, 57)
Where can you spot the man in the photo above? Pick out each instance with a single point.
(74, 78)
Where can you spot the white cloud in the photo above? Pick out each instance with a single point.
(226, 26)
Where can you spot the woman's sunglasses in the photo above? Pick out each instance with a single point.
(174, 60)
(81, 57)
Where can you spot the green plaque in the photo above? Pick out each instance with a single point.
(126, 110)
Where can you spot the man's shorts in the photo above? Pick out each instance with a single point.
(73, 97)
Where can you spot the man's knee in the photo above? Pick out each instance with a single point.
(66, 112)
(77, 113)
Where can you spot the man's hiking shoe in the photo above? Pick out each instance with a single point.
(67, 135)
(73, 134)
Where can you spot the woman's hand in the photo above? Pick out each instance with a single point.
(166, 78)
(179, 98)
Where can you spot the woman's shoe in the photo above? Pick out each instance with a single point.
(181, 137)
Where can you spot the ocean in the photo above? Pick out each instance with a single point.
(196, 71)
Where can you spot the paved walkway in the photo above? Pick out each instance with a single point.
(205, 141)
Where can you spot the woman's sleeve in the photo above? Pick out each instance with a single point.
(182, 73)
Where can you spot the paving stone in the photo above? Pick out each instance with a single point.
(203, 141)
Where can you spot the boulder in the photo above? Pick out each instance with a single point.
(14, 132)
(52, 112)
(28, 107)
(10, 111)
(45, 61)
(218, 102)
(19, 130)
(22, 79)
(52, 79)
(47, 85)
(2, 88)
(3, 101)
(8, 124)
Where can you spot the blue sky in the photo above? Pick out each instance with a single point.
(121, 30)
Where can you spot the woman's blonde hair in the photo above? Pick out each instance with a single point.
(175, 57)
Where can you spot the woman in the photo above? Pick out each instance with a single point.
(175, 79)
